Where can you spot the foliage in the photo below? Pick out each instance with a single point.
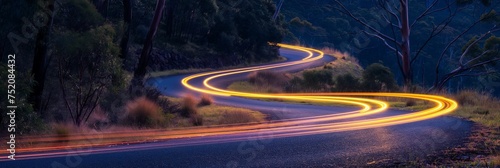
(347, 83)
(377, 77)
(440, 33)
(79, 15)
(317, 79)
(27, 120)
(88, 68)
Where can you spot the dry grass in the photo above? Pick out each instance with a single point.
(268, 81)
(197, 120)
(339, 55)
(188, 106)
(142, 112)
(479, 107)
(206, 100)
(217, 115)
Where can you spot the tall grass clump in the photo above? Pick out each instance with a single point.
(143, 112)
(188, 106)
(206, 100)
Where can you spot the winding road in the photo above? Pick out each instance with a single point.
(299, 135)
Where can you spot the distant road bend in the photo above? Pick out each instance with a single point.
(299, 135)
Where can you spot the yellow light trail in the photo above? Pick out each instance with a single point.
(281, 128)
(443, 105)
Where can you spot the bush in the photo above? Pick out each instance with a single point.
(188, 107)
(143, 112)
(377, 77)
(206, 100)
(317, 79)
(347, 83)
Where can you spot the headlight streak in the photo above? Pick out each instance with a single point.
(443, 105)
(281, 128)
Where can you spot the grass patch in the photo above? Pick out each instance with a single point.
(218, 115)
(244, 86)
(478, 107)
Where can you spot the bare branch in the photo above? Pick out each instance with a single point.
(475, 42)
(364, 23)
(392, 13)
(385, 42)
(425, 13)
(435, 31)
(474, 59)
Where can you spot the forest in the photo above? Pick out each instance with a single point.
(453, 43)
(75, 57)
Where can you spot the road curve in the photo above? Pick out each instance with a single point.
(309, 135)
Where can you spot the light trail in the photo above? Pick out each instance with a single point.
(274, 129)
(443, 105)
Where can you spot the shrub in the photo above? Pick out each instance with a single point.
(347, 83)
(263, 78)
(197, 119)
(377, 77)
(317, 79)
(143, 112)
(206, 100)
(188, 107)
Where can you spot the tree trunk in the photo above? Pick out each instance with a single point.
(127, 18)
(405, 43)
(140, 72)
(170, 19)
(39, 68)
(278, 8)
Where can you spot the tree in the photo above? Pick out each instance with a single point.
(127, 19)
(278, 8)
(395, 13)
(140, 72)
(474, 60)
(88, 67)
(402, 24)
(40, 60)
